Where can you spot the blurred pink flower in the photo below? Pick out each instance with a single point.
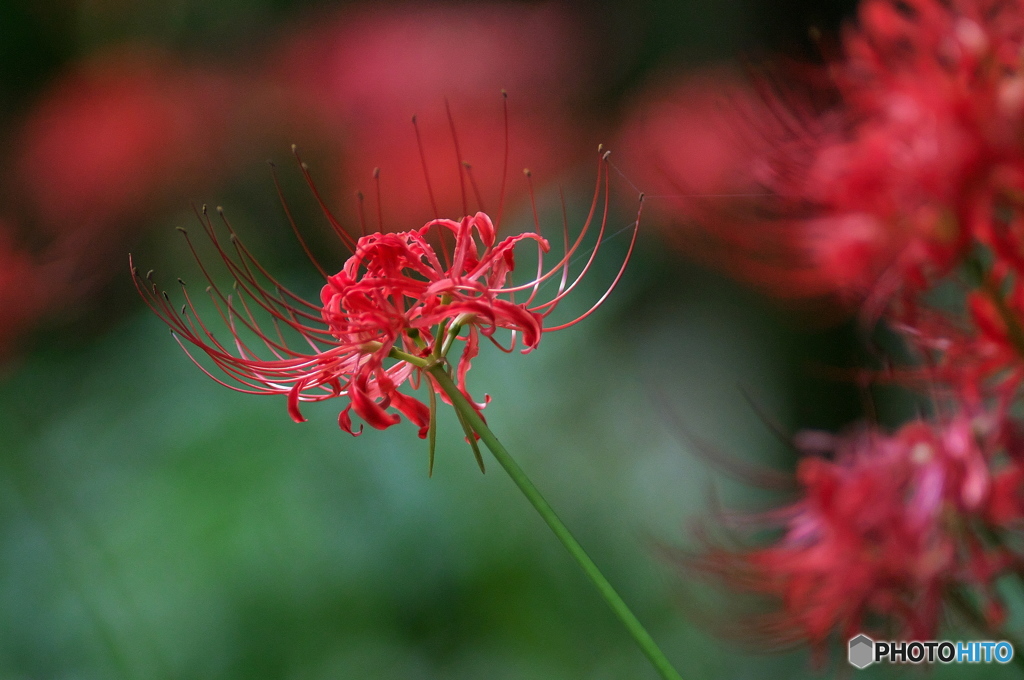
(357, 76)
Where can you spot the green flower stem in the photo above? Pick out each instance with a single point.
(629, 620)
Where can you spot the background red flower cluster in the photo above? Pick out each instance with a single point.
(886, 179)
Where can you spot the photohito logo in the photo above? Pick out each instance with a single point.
(863, 651)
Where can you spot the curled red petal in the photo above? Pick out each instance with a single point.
(345, 422)
(369, 410)
(415, 410)
(513, 316)
(485, 228)
(293, 401)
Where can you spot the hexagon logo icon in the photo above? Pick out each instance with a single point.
(861, 652)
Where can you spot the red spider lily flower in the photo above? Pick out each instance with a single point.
(394, 291)
(394, 310)
(879, 537)
(876, 173)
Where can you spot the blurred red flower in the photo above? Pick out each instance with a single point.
(116, 132)
(26, 290)
(878, 540)
(972, 360)
(874, 173)
(120, 133)
(866, 181)
(358, 75)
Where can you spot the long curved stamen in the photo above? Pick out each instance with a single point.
(536, 224)
(376, 193)
(426, 172)
(346, 239)
(569, 253)
(593, 253)
(361, 211)
(504, 162)
(291, 222)
(237, 271)
(476, 190)
(614, 283)
(458, 156)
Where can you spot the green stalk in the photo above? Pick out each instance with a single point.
(618, 606)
